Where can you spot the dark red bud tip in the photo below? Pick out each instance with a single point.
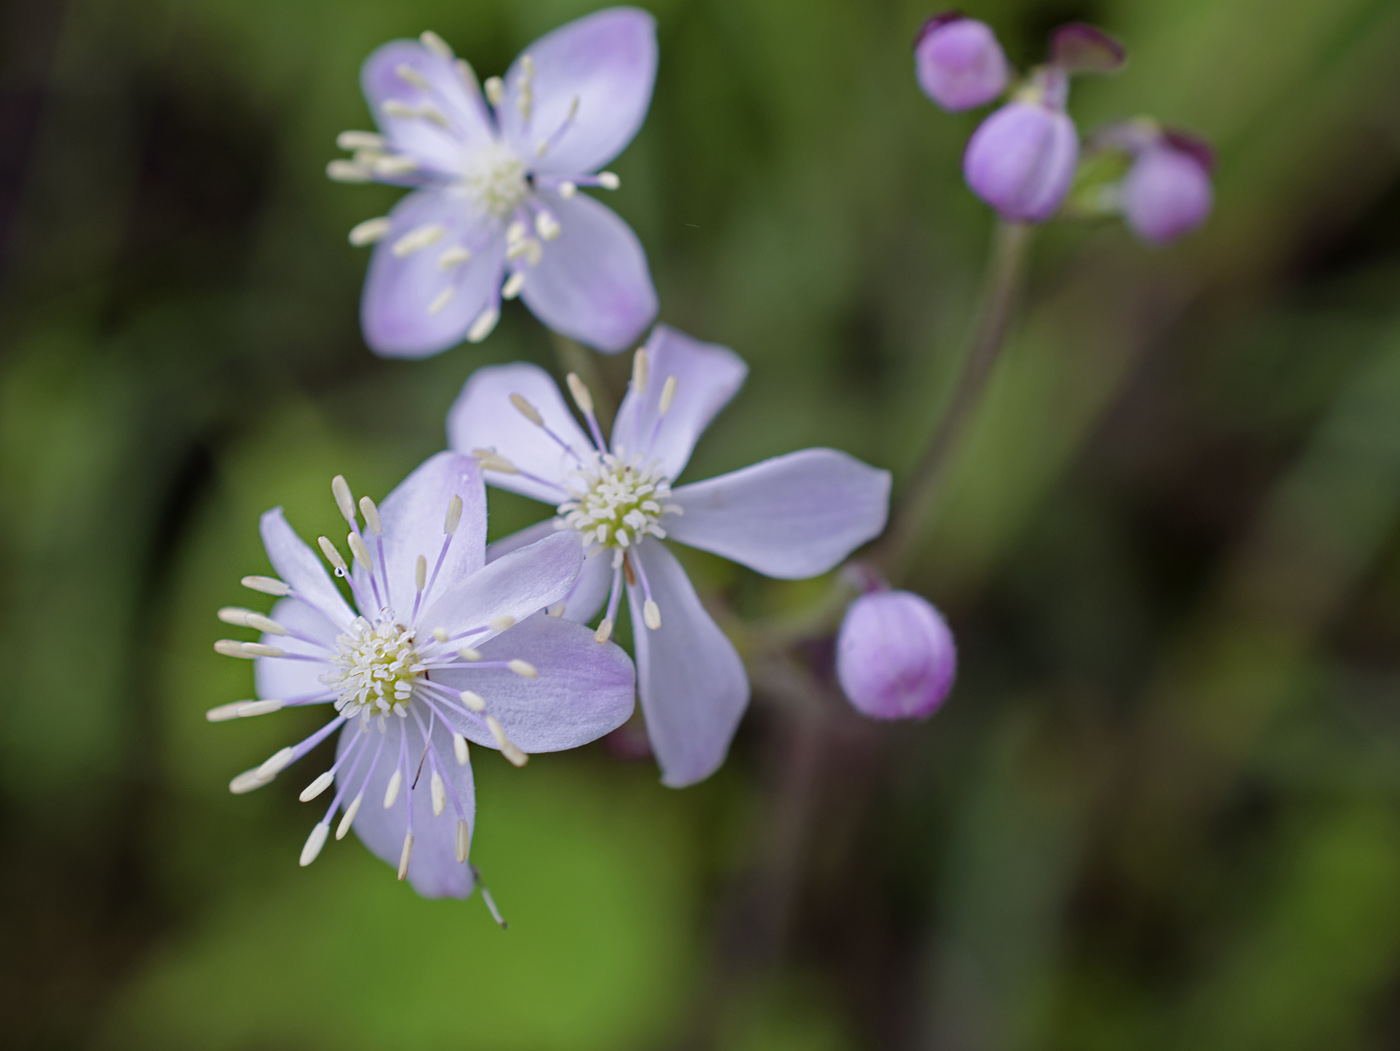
(1082, 48)
(1193, 146)
(934, 21)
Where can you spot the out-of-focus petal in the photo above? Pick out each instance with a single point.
(279, 679)
(707, 375)
(299, 566)
(692, 682)
(483, 417)
(793, 516)
(433, 868)
(584, 689)
(1166, 194)
(414, 516)
(1021, 160)
(959, 63)
(438, 147)
(517, 585)
(413, 305)
(590, 590)
(605, 65)
(592, 283)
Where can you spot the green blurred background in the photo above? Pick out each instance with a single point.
(1160, 809)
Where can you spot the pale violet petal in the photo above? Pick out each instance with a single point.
(793, 516)
(483, 417)
(301, 568)
(583, 691)
(601, 69)
(589, 592)
(280, 679)
(592, 282)
(692, 683)
(433, 868)
(707, 376)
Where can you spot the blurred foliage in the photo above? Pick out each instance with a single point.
(1160, 810)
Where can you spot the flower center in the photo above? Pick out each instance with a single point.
(375, 670)
(617, 503)
(495, 178)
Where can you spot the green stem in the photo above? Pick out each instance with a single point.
(1001, 285)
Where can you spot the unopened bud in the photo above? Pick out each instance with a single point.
(1167, 192)
(1021, 160)
(959, 63)
(895, 657)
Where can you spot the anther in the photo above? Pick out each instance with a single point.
(668, 394)
(275, 763)
(609, 180)
(468, 654)
(639, 370)
(332, 555)
(439, 794)
(604, 631)
(582, 398)
(347, 171)
(441, 634)
(407, 853)
(473, 701)
(246, 650)
(547, 226)
(349, 818)
(358, 549)
(459, 748)
(314, 843)
(508, 747)
(316, 787)
(651, 613)
(258, 622)
(524, 669)
(267, 585)
(526, 409)
(369, 231)
(409, 75)
(340, 489)
(248, 781)
(502, 623)
(371, 513)
(241, 710)
(454, 256)
(398, 164)
(441, 300)
(420, 573)
(391, 793)
(464, 839)
(567, 190)
(417, 238)
(360, 140)
(492, 461)
(235, 615)
(513, 285)
(454, 515)
(484, 323)
(495, 90)
(435, 44)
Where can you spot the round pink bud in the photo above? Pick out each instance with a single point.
(1021, 160)
(895, 657)
(1167, 193)
(959, 63)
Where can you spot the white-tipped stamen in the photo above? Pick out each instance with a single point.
(515, 232)
(440, 301)
(246, 650)
(371, 513)
(513, 285)
(582, 398)
(459, 748)
(493, 461)
(464, 839)
(668, 394)
(508, 748)
(524, 669)
(235, 615)
(242, 710)
(484, 323)
(347, 171)
(224, 712)
(435, 44)
(323, 782)
(495, 89)
(358, 549)
(468, 654)
(441, 634)
(468, 75)
(391, 793)
(502, 623)
(473, 700)
(349, 818)
(527, 410)
(360, 140)
(454, 256)
(369, 231)
(547, 226)
(639, 370)
(397, 164)
(314, 843)
(267, 585)
(454, 515)
(344, 500)
(332, 555)
(651, 613)
(567, 190)
(407, 853)
(248, 781)
(556, 610)
(609, 180)
(276, 763)
(604, 631)
(258, 622)
(411, 76)
(418, 238)
(439, 793)
(420, 573)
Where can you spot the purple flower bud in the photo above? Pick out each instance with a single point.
(1167, 192)
(959, 62)
(1021, 160)
(1082, 48)
(895, 657)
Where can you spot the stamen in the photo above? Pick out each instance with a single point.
(358, 549)
(418, 238)
(651, 613)
(524, 669)
(267, 585)
(246, 650)
(484, 323)
(241, 710)
(248, 781)
(668, 394)
(468, 75)
(609, 180)
(371, 513)
(420, 572)
(463, 839)
(369, 231)
(276, 763)
(490, 903)
(547, 226)
(314, 843)
(454, 256)
(409, 75)
(513, 285)
(567, 189)
(397, 164)
(527, 410)
(349, 818)
(639, 370)
(454, 515)
(604, 631)
(391, 793)
(505, 744)
(502, 623)
(347, 171)
(473, 700)
(441, 634)
(407, 853)
(491, 461)
(582, 398)
(332, 555)
(495, 90)
(441, 300)
(435, 44)
(459, 748)
(340, 489)
(360, 140)
(317, 786)
(439, 794)
(469, 654)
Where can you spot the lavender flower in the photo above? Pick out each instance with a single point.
(496, 211)
(958, 62)
(437, 650)
(793, 516)
(1167, 192)
(895, 657)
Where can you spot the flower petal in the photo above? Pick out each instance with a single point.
(592, 283)
(707, 376)
(413, 305)
(276, 678)
(584, 690)
(433, 868)
(692, 682)
(590, 591)
(299, 567)
(483, 417)
(517, 585)
(453, 97)
(793, 516)
(414, 517)
(605, 65)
